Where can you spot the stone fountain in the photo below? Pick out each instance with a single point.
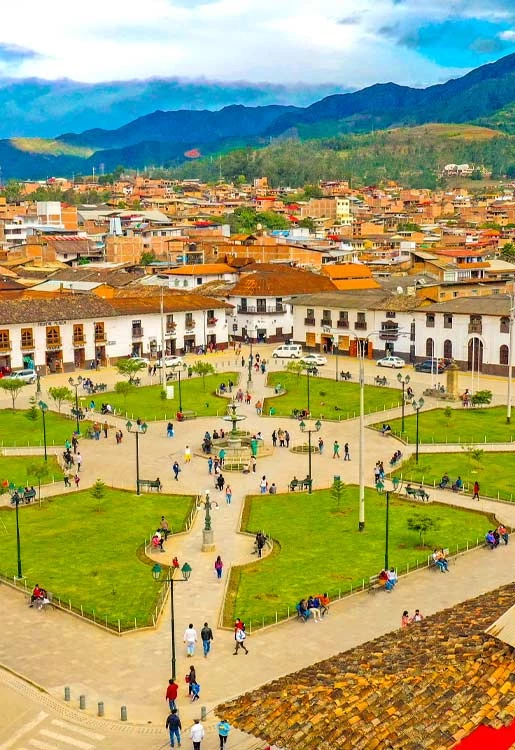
(234, 438)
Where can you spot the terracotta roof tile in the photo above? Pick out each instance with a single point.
(280, 281)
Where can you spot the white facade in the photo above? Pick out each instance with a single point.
(261, 318)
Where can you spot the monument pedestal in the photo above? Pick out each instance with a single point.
(208, 540)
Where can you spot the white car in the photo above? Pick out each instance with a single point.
(391, 362)
(171, 361)
(314, 359)
(28, 375)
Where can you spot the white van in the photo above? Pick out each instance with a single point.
(290, 351)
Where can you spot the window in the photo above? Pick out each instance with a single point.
(390, 314)
(199, 280)
(505, 325)
(27, 338)
(78, 332)
(430, 320)
(99, 332)
(243, 304)
(4, 340)
(137, 330)
(504, 354)
(430, 348)
(447, 349)
(53, 336)
(447, 321)
(261, 305)
(189, 320)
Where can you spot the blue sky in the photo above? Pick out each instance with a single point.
(350, 44)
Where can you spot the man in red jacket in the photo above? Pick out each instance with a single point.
(171, 694)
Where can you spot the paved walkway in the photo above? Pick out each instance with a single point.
(133, 670)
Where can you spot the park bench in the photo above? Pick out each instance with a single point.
(187, 414)
(74, 414)
(135, 381)
(300, 484)
(397, 460)
(29, 495)
(417, 492)
(380, 380)
(374, 584)
(432, 563)
(150, 484)
(345, 375)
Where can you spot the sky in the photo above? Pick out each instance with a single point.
(350, 44)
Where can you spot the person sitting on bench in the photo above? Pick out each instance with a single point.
(302, 609)
(157, 541)
(458, 485)
(440, 560)
(445, 481)
(385, 581)
(385, 428)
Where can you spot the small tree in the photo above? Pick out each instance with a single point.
(123, 389)
(295, 367)
(481, 398)
(422, 524)
(98, 492)
(59, 394)
(33, 411)
(130, 367)
(338, 491)
(203, 369)
(447, 412)
(38, 470)
(13, 386)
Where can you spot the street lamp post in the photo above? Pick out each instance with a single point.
(361, 468)
(44, 409)
(156, 574)
(177, 369)
(417, 405)
(510, 355)
(387, 531)
(404, 381)
(306, 429)
(75, 384)
(138, 429)
(16, 499)
(207, 532)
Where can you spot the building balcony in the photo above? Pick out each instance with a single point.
(360, 325)
(53, 345)
(79, 341)
(342, 324)
(5, 346)
(476, 327)
(100, 338)
(27, 346)
(170, 327)
(309, 321)
(211, 322)
(275, 310)
(389, 334)
(190, 324)
(137, 333)
(326, 323)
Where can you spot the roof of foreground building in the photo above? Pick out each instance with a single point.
(422, 688)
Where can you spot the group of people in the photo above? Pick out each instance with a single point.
(282, 437)
(388, 579)
(39, 596)
(493, 536)
(223, 388)
(456, 486)
(315, 607)
(406, 619)
(396, 458)
(440, 560)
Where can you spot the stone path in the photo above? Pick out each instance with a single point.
(133, 670)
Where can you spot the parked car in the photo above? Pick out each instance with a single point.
(313, 359)
(28, 375)
(430, 365)
(391, 362)
(291, 351)
(171, 361)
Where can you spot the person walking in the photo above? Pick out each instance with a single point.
(221, 457)
(197, 734)
(78, 460)
(219, 566)
(228, 494)
(75, 443)
(187, 454)
(176, 469)
(346, 452)
(190, 639)
(173, 724)
(191, 679)
(76, 479)
(274, 438)
(171, 695)
(253, 463)
(320, 446)
(210, 464)
(336, 449)
(206, 635)
(220, 482)
(475, 496)
(263, 485)
(105, 427)
(224, 728)
(169, 430)
(66, 478)
(239, 637)
(287, 438)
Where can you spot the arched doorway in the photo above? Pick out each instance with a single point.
(504, 354)
(447, 349)
(430, 348)
(475, 354)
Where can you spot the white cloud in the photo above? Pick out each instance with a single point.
(254, 40)
(508, 36)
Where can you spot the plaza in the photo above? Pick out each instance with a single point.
(132, 670)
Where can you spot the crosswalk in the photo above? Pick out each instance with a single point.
(45, 733)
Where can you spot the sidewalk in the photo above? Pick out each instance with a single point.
(134, 670)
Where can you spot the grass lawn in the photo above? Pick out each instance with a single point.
(320, 549)
(86, 550)
(17, 469)
(17, 429)
(326, 395)
(146, 401)
(493, 471)
(463, 425)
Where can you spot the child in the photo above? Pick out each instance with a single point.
(195, 691)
